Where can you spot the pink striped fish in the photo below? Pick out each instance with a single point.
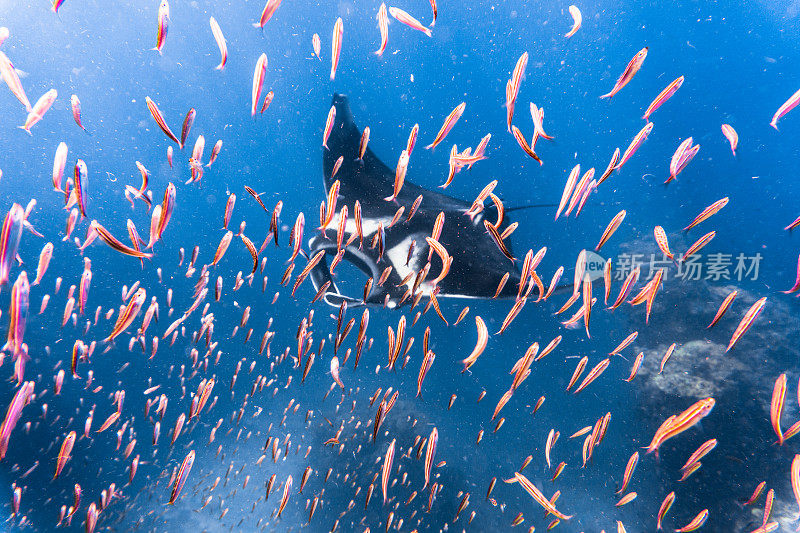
(41, 107)
(9, 75)
(316, 45)
(577, 19)
(512, 87)
(336, 46)
(662, 97)
(57, 5)
(681, 158)
(387, 468)
(732, 136)
(430, 452)
(449, 122)
(698, 244)
(269, 9)
(163, 26)
(159, 118)
(795, 476)
(383, 26)
(258, 82)
(409, 21)
(787, 106)
(328, 126)
(610, 229)
(180, 480)
(76, 110)
(707, 213)
(746, 322)
(627, 75)
(726, 303)
(568, 188)
(59, 162)
(20, 400)
(637, 141)
(221, 42)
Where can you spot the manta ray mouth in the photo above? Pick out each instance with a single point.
(321, 274)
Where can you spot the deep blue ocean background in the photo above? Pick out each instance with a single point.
(741, 61)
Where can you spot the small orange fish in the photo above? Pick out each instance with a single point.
(707, 213)
(787, 106)
(610, 229)
(163, 25)
(430, 452)
(723, 307)
(627, 75)
(795, 477)
(159, 118)
(698, 244)
(677, 424)
(316, 45)
(746, 322)
(449, 122)
(577, 18)
(480, 346)
(409, 21)
(662, 242)
(537, 495)
(336, 46)
(221, 43)
(662, 97)
(776, 406)
(180, 479)
(269, 9)
(258, 82)
(387, 469)
(64, 452)
(383, 26)
(664, 509)
(326, 133)
(696, 522)
(732, 136)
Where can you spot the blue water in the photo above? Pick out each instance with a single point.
(740, 63)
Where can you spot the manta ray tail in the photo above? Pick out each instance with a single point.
(533, 206)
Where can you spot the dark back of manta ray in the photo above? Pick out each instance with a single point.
(478, 264)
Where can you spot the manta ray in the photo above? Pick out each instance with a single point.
(478, 265)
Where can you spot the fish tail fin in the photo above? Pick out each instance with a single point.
(27, 130)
